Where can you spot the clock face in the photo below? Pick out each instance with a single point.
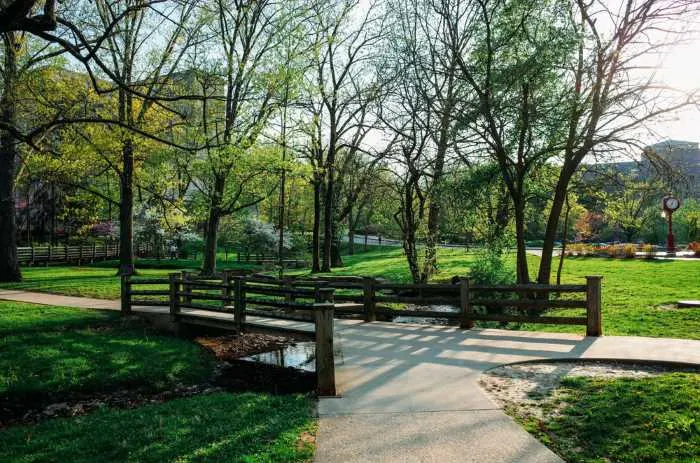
(672, 204)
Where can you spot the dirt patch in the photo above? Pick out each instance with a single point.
(526, 388)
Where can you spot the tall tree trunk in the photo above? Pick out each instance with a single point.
(351, 233)
(316, 229)
(550, 234)
(328, 220)
(126, 210)
(336, 258)
(210, 242)
(523, 275)
(212, 230)
(564, 237)
(9, 264)
(280, 219)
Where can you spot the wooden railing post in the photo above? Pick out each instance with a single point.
(368, 299)
(31, 247)
(174, 296)
(226, 290)
(94, 251)
(239, 304)
(80, 253)
(126, 294)
(186, 287)
(465, 305)
(48, 259)
(325, 364)
(593, 305)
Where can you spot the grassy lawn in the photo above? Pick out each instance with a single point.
(49, 351)
(654, 419)
(218, 427)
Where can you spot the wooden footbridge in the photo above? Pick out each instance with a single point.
(235, 302)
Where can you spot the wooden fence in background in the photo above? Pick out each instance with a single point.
(74, 253)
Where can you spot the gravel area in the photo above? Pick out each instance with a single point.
(524, 388)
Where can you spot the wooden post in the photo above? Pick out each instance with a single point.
(465, 305)
(593, 305)
(325, 364)
(126, 295)
(174, 296)
(186, 287)
(80, 253)
(239, 306)
(48, 259)
(323, 294)
(94, 251)
(106, 256)
(65, 253)
(369, 303)
(289, 297)
(31, 248)
(226, 290)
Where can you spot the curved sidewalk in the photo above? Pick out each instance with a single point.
(410, 393)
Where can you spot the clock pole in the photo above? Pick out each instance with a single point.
(670, 204)
(670, 244)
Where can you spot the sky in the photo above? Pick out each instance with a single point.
(680, 68)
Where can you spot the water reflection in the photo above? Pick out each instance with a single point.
(301, 355)
(425, 320)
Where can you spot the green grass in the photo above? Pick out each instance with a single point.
(20, 317)
(218, 427)
(654, 419)
(50, 351)
(101, 283)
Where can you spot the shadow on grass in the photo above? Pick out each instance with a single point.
(218, 427)
(44, 365)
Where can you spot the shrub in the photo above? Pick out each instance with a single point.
(648, 250)
(695, 247)
(489, 268)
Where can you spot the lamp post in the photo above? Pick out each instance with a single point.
(670, 204)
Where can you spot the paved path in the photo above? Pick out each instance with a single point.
(410, 393)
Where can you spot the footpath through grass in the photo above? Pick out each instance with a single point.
(50, 354)
(654, 419)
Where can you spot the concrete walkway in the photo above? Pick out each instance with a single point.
(410, 393)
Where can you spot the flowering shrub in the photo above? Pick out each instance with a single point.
(695, 247)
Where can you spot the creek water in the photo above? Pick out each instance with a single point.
(427, 321)
(301, 355)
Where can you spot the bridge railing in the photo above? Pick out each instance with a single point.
(190, 297)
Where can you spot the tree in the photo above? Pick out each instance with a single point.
(248, 35)
(344, 90)
(9, 154)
